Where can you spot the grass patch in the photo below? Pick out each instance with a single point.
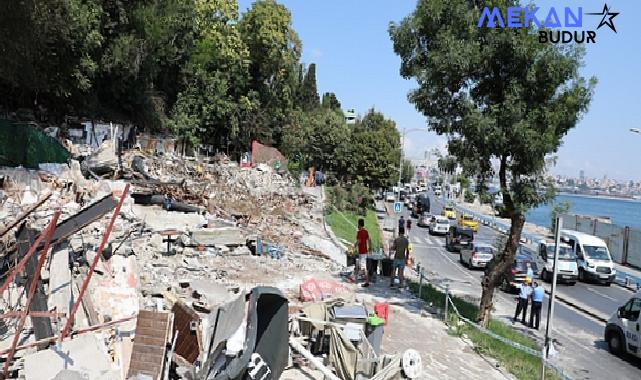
(344, 226)
(520, 364)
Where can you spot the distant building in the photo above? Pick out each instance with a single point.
(350, 116)
(582, 176)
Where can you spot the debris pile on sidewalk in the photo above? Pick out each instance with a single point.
(154, 266)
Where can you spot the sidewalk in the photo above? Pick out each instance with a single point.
(411, 326)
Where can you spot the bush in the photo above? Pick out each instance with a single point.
(469, 197)
(486, 198)
(356, 199)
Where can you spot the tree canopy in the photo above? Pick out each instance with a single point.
(499, 94)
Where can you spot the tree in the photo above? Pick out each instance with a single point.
(498, 94)
(408, 171)
(559, 208)
(309, 99)
(328, 144)
(374, 149)
(330, 101)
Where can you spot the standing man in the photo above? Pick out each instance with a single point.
(408, 226)
(364, 245)
(401, 225)
(524, 294)
(537, 303)
(401, 251)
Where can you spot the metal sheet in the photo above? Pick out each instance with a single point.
(82, 219)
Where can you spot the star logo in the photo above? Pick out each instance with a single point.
(607, 18)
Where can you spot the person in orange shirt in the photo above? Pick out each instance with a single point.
(364, 245)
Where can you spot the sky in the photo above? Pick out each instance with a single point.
(349, 42)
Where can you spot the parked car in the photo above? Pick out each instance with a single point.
(468, 221)
(439, 225)
(458, 237)
(390, 197)
(424, 220)
(622, 330)
(476, 255)
(567, 268)
(449, 212)
(517, 274)
(593, 257)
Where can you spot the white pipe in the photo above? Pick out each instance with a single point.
(308, 355)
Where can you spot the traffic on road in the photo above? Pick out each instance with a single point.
(580, 337)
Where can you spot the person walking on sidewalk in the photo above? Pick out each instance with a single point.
(408, 226)
(537, 302)
(401, 251)
(364, 246)
(401, 225)
(524, 294)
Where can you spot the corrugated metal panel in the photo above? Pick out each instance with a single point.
(148, 354)
(634, 248)
(614, 237)
(187, 323)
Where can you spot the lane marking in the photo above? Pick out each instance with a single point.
(591, 289)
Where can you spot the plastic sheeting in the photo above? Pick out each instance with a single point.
(26, 145)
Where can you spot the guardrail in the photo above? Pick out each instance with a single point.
(622, 278)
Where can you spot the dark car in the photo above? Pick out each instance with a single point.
(458, 237)
(519, 271)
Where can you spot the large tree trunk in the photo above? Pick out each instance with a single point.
(497, 271)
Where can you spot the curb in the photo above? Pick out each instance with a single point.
(580, 308)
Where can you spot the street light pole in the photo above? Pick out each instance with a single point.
(400, 168)
(548, 325)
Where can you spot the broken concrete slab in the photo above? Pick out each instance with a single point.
(85, 354)
(229, 236)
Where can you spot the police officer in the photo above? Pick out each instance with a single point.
(524, 294)
(537, 301)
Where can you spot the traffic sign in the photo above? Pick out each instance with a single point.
(397, 207)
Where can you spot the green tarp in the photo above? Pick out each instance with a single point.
(26, 145)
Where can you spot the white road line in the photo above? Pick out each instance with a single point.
(591, 289)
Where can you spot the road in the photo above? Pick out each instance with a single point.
(582, 353)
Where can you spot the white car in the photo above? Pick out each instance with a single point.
(567, 270)
(390, 197)
(622, 330)
(439, 225)
(476, 255)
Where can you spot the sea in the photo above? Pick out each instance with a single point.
(622, 212)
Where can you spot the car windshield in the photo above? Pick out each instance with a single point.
(468, 218)
(595, 252)
(484, 249)
(564, 252)
(466, 234)
(449, 209)
(522, 267)
(442, 221)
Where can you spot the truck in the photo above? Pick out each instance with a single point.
(622, 330)
(421, 205)
(593, 257)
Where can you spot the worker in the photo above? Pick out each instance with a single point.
(537, 302)
(400, 249)
(364, 246)
(525, 292)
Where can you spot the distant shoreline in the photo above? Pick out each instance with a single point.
(616, 198)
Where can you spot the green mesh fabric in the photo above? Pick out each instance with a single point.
(26, 145)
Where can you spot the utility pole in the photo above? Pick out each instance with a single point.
(548, 325)
(400, 168)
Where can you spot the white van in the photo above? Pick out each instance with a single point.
(592, 256)
(622, 330)
(568, 270)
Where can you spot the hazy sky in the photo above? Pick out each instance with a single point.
(348, 41)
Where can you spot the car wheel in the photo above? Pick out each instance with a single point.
(469, 264)
(581, 275)
(572, 283)
(608, 284)
(460, 258)
(615, 343)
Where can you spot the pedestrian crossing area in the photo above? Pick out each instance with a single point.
(427, 240)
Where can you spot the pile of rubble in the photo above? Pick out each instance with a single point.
(134, 264)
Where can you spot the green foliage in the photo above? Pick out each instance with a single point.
(408, 171)
(498, 94)
(330, 101)
(309, 99)
(559, 208)
(486, 198)
(469, 197)
(355, 199)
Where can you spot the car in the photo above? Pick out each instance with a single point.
(439, 225)
(449, 212)
(390, 197)
(622, 329)
(567, 268)
(476, 255)
(421, 205)
(458, 237)
(424, 220)
(468, 221)
(379, 195)
(518, 272)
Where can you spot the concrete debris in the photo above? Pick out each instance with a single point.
(175, 291)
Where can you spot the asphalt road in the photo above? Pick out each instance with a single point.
(582, 353)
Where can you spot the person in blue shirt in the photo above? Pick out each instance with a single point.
(525, 291)
(537, 302)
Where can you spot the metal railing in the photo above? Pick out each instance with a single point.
(449, 304)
